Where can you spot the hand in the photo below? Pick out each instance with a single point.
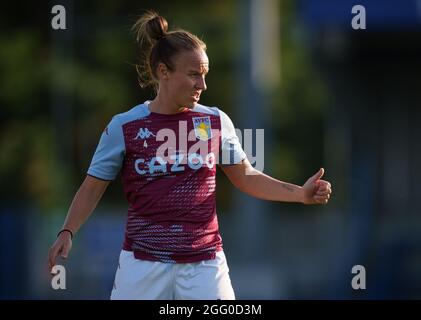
(317, 191)
(61, 247)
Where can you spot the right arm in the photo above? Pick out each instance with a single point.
(84, 202)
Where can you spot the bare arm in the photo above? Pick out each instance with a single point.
(259, 185)
(84, 202)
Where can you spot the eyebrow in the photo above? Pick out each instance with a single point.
(195, 72)
(202, 69)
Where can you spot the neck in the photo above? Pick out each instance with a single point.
(164, 105)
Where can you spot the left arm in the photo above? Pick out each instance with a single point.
(262, 186)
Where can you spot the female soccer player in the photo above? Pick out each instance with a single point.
(167, 150)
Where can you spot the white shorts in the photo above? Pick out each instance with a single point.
(151, 280)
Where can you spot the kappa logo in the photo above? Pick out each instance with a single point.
(144, 133)
(202, 128)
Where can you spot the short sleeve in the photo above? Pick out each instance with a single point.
(231, 150)
(108, 158)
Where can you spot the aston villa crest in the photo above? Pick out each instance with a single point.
(202, 128)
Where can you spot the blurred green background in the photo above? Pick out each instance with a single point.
(325, 94)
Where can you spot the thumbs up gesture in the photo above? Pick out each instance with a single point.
(317, 191)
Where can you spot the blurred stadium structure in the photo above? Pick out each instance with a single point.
(326, 95)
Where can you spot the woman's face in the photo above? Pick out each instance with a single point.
(187, 81)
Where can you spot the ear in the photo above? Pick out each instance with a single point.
(163, 71)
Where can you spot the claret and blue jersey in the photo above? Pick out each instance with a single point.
(168, 170)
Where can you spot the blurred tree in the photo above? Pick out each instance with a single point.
(299, 106)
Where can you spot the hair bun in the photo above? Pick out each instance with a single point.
(156, 27)
(150, 27)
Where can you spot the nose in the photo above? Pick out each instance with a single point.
(201, 83)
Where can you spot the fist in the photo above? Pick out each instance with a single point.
(317, 191)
